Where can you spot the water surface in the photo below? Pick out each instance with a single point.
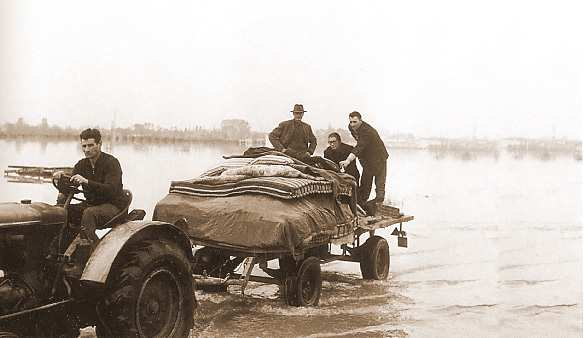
(495, 249)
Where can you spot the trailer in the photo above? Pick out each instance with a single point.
(248, 222)
(299, 275)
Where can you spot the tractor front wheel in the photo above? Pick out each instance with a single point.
(150, 294)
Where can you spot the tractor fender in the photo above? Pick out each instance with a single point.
(100, 263)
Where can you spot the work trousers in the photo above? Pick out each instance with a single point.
(377, 171)
(91, 217)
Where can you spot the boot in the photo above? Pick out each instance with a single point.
(77, 255)
(371, 207)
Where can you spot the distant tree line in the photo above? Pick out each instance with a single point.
(230, 131)
(238, 130)
(22, 129)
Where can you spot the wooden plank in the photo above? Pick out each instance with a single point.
(379, 222)
(30, 174)
(260, 279)
(332, 258)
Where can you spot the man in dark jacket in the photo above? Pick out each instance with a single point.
(100, 176)
(294, 137)
(337, 151)
(372, 155)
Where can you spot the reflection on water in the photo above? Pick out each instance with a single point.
(495, 249)
(465, 155)
(470, 155)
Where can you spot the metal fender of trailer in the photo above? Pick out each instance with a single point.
(99, 264)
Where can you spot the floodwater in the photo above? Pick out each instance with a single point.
(495, 249)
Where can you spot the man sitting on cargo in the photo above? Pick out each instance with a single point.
(294, 137)
(338, 151)
(100, 176)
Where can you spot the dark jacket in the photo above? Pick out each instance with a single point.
(370, 149)
(340, 154)
(105, 180)
(281, 136)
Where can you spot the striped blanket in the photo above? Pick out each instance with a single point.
(269, 175)
(281, 187)
(228, 164)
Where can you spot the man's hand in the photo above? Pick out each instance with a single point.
(348, 160)
(284, 150)
(78, 179)
(344, 163)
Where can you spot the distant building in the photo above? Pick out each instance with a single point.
(235, 129)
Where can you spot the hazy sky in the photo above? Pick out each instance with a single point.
(452, 68)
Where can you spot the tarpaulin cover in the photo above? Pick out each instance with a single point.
(236, 204)
(253, 221)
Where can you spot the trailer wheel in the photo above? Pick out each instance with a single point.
(375, 259)
(308, 282)
(304, 288)
(148, 295)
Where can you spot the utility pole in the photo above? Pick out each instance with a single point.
(112, 133)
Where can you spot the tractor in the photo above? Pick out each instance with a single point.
(135, 281)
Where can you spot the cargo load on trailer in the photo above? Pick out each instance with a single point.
(264, 203)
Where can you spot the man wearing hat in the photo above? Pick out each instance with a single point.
(294, 137)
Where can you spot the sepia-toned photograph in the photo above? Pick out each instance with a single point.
(291, 169)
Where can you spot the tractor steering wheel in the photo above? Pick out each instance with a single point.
(65, 186)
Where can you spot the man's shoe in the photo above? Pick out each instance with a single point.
(371, 207)
(77, 255)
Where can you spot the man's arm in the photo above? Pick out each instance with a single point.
(327, 154)
(76, 176)
(348, 160)
(274, 137)
(110, 188)
(311, 141)
(363, 141)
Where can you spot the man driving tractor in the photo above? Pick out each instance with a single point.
(100, 176)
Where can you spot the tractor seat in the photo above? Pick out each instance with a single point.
(121, 216)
